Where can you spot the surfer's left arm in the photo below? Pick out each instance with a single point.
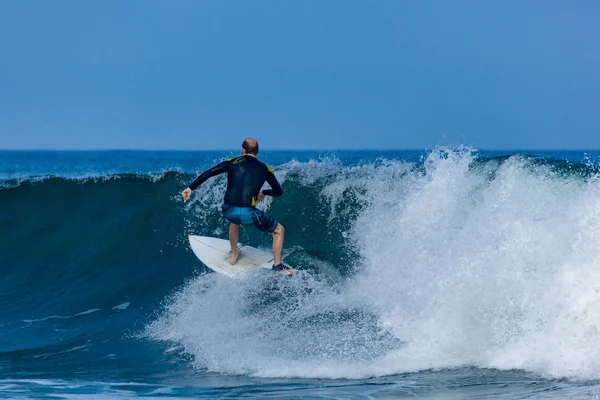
(216, 170)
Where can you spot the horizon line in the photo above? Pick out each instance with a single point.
(295, 150)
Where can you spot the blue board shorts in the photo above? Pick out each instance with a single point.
(249, 216)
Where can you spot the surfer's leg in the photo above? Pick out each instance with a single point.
(234, 235)
(266, 223)
(278, 235)
(234, 216)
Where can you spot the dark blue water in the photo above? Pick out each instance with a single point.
(437, 273)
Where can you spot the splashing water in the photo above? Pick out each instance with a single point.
(450, 262)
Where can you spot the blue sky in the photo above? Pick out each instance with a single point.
(299, 74)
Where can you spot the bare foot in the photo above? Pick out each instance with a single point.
(234, 257)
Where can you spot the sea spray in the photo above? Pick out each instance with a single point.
(458, 262)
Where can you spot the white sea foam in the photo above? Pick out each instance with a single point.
(492, 265)
(31, 321)
(122, 306)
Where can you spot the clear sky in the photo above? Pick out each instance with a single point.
(332, 74)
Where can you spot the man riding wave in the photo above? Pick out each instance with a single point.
(245, 178)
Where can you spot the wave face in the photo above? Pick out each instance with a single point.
(443, 261)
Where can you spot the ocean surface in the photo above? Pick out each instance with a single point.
(443, 274)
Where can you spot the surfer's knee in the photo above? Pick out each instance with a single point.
(280, 230)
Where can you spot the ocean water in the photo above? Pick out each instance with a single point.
(444, 274)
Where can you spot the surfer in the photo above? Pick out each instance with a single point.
(245, 178)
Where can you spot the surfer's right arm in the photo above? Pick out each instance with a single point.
(216, 170)
(276, 189)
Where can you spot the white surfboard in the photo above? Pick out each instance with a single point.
(215, 254)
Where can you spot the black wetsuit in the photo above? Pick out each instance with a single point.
(245, 176)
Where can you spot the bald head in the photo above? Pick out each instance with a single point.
(250, 146)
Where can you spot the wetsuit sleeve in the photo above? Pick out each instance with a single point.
(276, 189)
(216, 170)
